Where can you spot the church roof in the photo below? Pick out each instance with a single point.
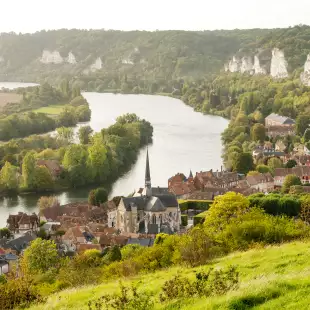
(155, 203)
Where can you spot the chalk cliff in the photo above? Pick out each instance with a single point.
(71, 58)
(305, 76)
(53, 57)
(246, 65)
(258, 69)
(278, 67)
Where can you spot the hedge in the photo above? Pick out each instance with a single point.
(200, 218)
(195, 205)
(184, 220)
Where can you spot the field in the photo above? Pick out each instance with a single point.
(51, 109)
(6, 98)
(275, 277)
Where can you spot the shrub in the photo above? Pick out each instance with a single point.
(199, 218)
(128, 299)
(184, 220)
(216, 282)
(131, 250)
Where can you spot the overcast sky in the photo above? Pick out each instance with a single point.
(33, 15)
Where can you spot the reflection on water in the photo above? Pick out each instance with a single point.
(183, 140)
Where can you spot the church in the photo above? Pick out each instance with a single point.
(150, 210)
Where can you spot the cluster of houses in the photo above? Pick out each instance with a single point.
(278, 125)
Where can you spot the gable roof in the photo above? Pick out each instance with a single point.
(280, 119)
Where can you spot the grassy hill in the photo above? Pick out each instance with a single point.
(275, 277)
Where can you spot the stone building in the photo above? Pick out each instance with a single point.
(278, 125)
(150, 210)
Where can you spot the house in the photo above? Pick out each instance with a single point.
(23, 222)
(53, 167)
(150, 210)
(277, 125)
(19, 244)
(303, 172)
(51, 227)
(262, 182)
(73, 237)
(10, 259)
(110, 240)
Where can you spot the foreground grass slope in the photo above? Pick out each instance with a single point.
(270, 278)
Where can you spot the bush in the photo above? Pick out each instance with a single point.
(216, 282)
(195, 205)
(184, 220)
(128, 299)
(97, 196)
(199, 218)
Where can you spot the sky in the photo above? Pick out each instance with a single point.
(33, 15)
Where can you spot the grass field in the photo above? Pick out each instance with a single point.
(51, 109)
(6, 98)
(276, 277)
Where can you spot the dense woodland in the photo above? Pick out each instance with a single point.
(99, 158)
(141, 55)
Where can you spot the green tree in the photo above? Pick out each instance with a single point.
(43, 178)
(262, 168)
(306, 136)
(9, 177)
(258, 133)
(75, 155)
(291, 163)
(97, 196)
(274, 163)
(41, 256)
(98, 162)
(243, 163)
(290, 180)
(224, 209)
(65, 134)
(29, 171)
(5, 233)
(84, 134)
(302, 123)
(114, 254)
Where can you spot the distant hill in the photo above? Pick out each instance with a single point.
(143, 55)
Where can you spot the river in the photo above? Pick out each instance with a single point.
(183, 140)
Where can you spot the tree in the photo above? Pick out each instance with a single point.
(75, 155)
(225, 208)
(5, 233)
(9, 177)
(258, 133)
(43, 178)
(114, 254)
(84, 134)
(274, 163)
(302, 123)
(97, 196)
(243, 163)
(262, 168)
(41, 256)
(306, 136)
(290, 180)
(47, 202)
(291, 163)
(29, 171)
(65, 134)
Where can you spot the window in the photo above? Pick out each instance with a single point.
(153, 219)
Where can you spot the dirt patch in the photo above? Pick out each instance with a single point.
(6, 98)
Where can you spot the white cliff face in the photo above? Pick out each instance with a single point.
(246, 65)
(49, 57)
(257, 67)
(71, 59)
(97, 65)
(127, 61)
(234, 65)
(278, 68)
(305, 76)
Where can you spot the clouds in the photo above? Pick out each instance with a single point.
(33, 15)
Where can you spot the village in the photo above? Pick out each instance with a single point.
(138, 218)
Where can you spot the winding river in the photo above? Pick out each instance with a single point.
(183, 140)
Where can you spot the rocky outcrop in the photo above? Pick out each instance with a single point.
(265, 62)
(97, 65)
(305, 76)
(53, 57)
(71, 59)
(257, 68)
(246, 65)
(278, 67)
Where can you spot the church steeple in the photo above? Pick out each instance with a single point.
(148, 186)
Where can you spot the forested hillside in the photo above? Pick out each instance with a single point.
(141, 55)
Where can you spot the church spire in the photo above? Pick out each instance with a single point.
(147, 170)
(148, 187)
